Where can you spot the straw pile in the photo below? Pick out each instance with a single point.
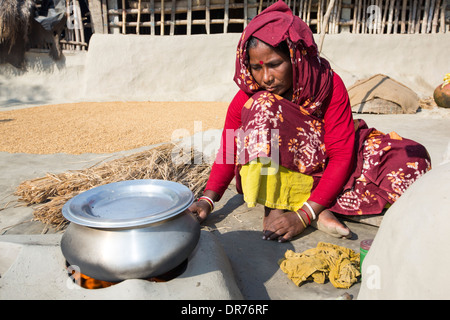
(54, 190)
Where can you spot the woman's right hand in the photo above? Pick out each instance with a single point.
(201, 209)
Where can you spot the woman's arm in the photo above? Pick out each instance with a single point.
(222, 171)
(339, 143)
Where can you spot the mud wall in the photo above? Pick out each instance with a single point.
(201, 67)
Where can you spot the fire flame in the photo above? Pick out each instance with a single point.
(87, 282)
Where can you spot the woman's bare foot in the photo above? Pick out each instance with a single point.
(328, 223)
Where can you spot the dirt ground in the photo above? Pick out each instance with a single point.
(104, 127)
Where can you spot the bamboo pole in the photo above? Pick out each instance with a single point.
(379, 17)
(305, 10)
(355, 6)
(77, 20)
(410, 19)
(364, 11)
(335, 25)
(105, 17)
(358, 18)
(373, 18)
(325, 23)
(308, 17)
(114, 20)
(207, 18)
(172, 17)
(425, 16)
(435, 17)
(370, 26)
(226, 16)
(319, 16)
(300, 9)
(414, 15)
(245, 13)
(403, 19)
(391, 16)
(338, 17)
(162, 18)
(430, 16)
(396, 15)
(95, 12)
(417, 26)
(124, 18)
(332, 18)
(443, 9)
(71, 44)
(385, 15)
(80, 21)
(329, 27)
(69, 29)
(189, 18)
(152, 18)
(138, 18)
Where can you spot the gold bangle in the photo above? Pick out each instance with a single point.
(209, 201)
(301, 219)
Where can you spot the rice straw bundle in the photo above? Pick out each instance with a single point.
(54, 190)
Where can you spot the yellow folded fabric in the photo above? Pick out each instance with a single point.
(274, 186)
(339, 264)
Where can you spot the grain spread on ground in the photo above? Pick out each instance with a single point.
(104, 127)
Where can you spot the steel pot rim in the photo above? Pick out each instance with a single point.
(144, 201)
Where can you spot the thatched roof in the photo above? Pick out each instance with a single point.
(14, 20)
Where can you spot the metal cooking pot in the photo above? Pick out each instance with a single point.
(130, 230)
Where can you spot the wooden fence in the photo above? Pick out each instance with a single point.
(77, 26)
(162, 17)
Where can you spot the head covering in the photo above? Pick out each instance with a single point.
(312, 75)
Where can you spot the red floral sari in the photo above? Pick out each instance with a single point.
(291, 133)
(385, 166)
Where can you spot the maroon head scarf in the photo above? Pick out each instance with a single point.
(312, 75)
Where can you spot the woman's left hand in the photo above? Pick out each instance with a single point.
(281, 226)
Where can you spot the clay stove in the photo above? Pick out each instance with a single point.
(33, 267)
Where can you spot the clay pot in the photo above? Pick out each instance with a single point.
(442, 95)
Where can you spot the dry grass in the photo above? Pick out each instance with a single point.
(54, 190)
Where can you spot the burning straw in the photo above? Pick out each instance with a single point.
(54, 190)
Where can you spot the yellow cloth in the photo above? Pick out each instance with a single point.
(339, 264)
(274, 186)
